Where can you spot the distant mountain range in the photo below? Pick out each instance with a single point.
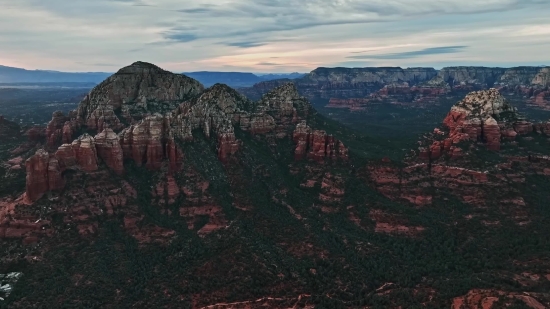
(237, 79)
(233, 79)
(18, 75)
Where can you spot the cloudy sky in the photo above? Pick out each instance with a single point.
(272, 35)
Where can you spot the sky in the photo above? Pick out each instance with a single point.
(272, 35)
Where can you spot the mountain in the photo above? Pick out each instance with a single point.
(158, 192)
(236, 79)
(357, 88)
(17, 75)
(13, 75)
(271, 76)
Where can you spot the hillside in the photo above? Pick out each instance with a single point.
(159, 192)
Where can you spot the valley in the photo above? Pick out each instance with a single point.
(156, 191)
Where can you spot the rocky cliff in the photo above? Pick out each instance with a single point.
(169, 115)
(345, 87)
(483, 116)
(524, 81)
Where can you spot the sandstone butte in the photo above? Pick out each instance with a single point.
(482, 116)
(145, 114)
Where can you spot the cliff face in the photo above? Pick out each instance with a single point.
(353, 88)
(355, 77)
(469, 77)
(357, 82)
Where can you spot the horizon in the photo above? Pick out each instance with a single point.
(272, 36)
(273, 73)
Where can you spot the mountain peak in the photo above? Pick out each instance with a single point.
(134, 91)
(482, 104)
(140, 66)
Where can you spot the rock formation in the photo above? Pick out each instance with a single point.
(258, 90)
(316, 145)
(133, 91)
(144, 141)
(109, 150)
(44, 170)
(37, 175)
(482, 116)
(162, 109)
(420, 85)
(55, 129)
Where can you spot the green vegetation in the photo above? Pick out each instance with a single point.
(285, 244)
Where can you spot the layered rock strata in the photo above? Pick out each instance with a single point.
(482, 116)
(317, 145)
(423, 85)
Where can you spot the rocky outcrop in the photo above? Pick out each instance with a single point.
(104, 116)
(483, 116)
(228, 145)
(493, 299)
(286, 106)
(220, 109)
(85, 152)
(153, 139)
(55, 128)
(61, 129)
(109, 150)
(133, 91)
(317, 145)
(43, 175)
(144, 142)
(37, 175)
(44, 170)
(540, 99)
(258, 90)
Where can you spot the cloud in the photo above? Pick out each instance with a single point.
(267, 63)
(415, 53)
(180, 37)
(244, 34)
(244, 44)
(195, 10)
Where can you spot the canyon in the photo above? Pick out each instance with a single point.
(158, 192)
